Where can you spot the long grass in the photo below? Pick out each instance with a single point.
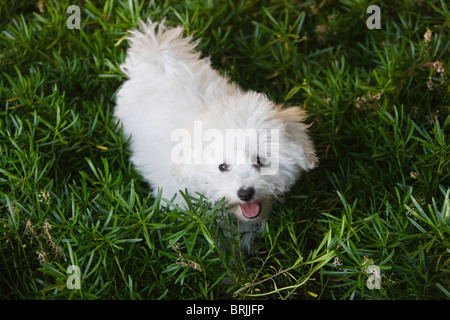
(378, 101)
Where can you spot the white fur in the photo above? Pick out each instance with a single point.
(170, 87)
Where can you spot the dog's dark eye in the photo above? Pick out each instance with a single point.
(223, 167)
(258, 162)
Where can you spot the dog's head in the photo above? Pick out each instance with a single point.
(247, 150)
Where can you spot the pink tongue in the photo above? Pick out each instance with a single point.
(251, 209)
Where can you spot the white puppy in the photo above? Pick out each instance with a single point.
(192, 129)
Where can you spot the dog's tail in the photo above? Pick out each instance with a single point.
(156, 46)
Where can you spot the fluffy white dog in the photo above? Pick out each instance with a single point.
(192, 129)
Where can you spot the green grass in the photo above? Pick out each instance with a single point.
(379, 105)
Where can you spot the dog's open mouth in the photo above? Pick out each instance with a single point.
(251, 210)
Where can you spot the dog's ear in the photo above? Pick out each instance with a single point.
(296, 130)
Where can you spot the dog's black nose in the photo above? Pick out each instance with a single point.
(246, 194)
